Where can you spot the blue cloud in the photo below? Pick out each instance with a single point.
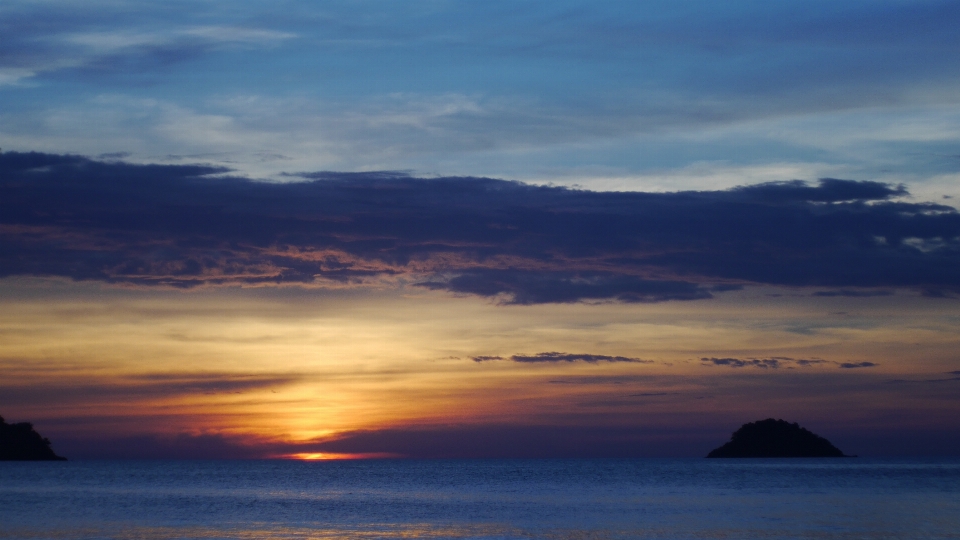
(179, 226)
(524, 287)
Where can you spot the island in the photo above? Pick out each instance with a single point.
(775, 439)
(20, 442)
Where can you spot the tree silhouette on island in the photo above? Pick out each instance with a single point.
(775, 439)
(20, 442)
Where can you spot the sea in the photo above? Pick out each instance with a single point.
(841, 498)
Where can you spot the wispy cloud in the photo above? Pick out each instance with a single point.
(848, 293)
(82, 44)
(149, 386)
(767, 62)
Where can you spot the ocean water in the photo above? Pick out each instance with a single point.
(556, 499)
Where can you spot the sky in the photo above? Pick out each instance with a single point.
(343, 229)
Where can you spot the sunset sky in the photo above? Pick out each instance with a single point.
(478, 229)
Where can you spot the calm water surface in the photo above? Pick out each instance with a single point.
(578, 499)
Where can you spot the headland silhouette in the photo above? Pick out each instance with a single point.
(775, 439)
(20, 442)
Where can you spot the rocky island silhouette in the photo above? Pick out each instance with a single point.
(20, 442)
(775, 439)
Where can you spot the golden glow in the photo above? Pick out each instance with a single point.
(287, 367)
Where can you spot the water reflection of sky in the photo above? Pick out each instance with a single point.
(482, 499)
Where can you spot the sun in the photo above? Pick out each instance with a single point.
(330, 456)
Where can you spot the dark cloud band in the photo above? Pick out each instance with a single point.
(556, 357)
(185, 226)
(779, 362)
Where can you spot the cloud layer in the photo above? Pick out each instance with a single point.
(598, 93)
(133, 388)
(192, 225)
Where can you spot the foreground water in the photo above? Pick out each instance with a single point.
(580, 499)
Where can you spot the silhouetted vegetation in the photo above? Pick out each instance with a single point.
(20, 442)
(775, 438)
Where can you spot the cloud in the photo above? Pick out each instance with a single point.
(157, 446)
(485, 358)
(517, 441)
(738, 363)
(854, 365)
(555, 357)
(522, 287)
(955, 377)
(480, 441)
(208, 383)
(830, 190)
(782, 62)
(778, 362)
(613, 380)
(103, 40)
(458, 441)
(852, 293)
(133, 388)
(805, 362)
(192, 225)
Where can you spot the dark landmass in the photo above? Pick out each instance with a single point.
(20, 442)
(775, 438)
